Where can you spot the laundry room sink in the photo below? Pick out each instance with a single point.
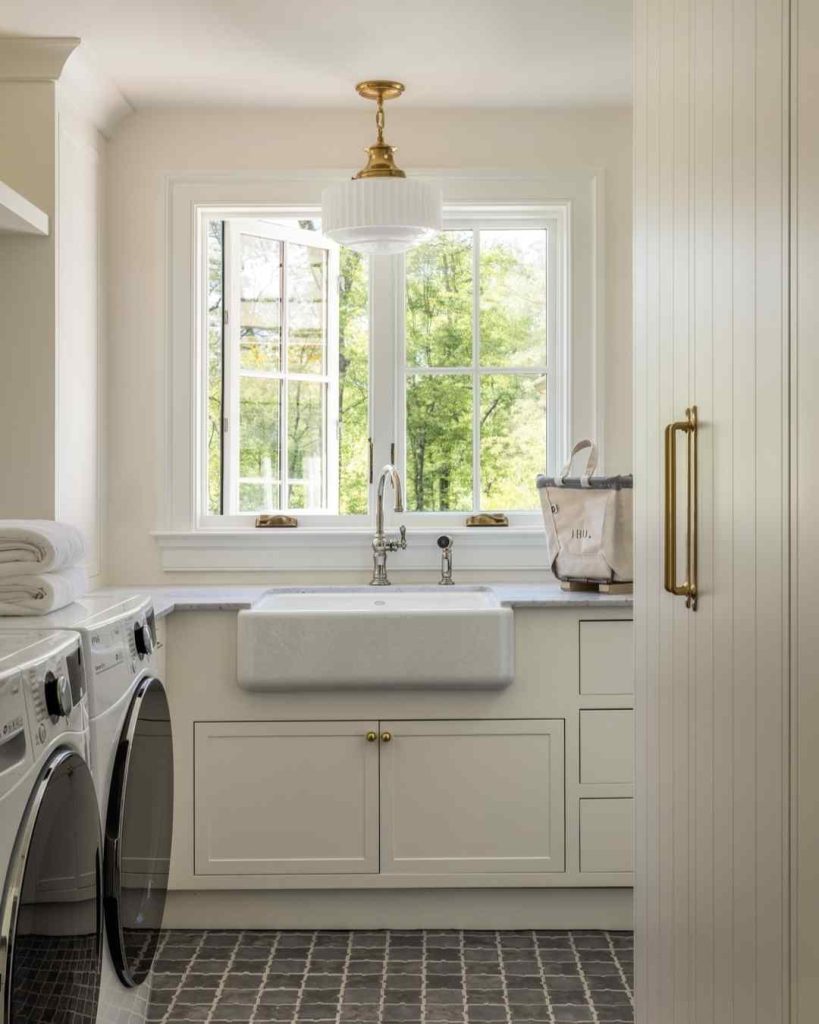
(357, 637)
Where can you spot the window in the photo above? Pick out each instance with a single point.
(321, 364)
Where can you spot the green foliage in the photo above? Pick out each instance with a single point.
(511, 421)
(214, 328)
(354, 385)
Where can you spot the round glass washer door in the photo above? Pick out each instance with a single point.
(138, 831)
(51, 919)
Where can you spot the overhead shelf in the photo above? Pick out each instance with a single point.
(20, 216)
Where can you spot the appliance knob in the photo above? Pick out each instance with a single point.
(144, 640)
(58, 699)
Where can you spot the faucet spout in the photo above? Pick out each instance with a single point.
(389, 472)
(381, 543)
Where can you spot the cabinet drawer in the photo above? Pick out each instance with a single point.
(285, 798)
(607, 834)
(607, 656)
(606, 746)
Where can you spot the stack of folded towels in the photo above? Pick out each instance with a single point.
(39, 566)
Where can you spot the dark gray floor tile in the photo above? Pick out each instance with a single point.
(486, 1012)
(231, 1012)
(444, 1013)
(196, 996)
(244, 979)
(444, 997)
(359, 1014)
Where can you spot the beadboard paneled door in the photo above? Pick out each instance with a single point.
(711, 330)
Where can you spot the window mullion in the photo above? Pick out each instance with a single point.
(231, 366)
(284, 471)
(476, 376)
(386, 318)
(332, 416)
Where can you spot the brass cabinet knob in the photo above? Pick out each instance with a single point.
(386, 737)
(372, 736)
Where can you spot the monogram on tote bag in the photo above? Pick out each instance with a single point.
(588, 523)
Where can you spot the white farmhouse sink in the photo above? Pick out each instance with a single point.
(358, 637)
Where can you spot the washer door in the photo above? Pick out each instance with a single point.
(51, 923)
(138, 831)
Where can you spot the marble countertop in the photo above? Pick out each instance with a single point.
(235, 598)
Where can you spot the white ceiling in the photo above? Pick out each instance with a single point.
(461, 53)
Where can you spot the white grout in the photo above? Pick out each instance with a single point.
(265, 975)
(622, 973)
(345, 972)
(502, 970)
(307, 965)
(584, 980)
(542, 972)
(183, 978)
(384, 978)
(221, 986)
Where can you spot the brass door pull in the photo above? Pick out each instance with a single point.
(386, 737)
(688, 588)
(372, 736)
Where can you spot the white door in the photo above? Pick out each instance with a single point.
(286, 798)
(472, 797)
(711, 330)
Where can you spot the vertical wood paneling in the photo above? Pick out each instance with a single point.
(711, 185)
(805, 501)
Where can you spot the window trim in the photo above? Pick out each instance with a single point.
(232, 373)
(554, 219)
(188, 543)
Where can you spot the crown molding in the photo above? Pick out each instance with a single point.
(34, 58)
(92, 94)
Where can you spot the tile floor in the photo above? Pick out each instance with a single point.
(386, 977)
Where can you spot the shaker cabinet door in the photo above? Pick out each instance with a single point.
(472, 797)
(286, 798)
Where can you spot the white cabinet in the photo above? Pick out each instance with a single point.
(472, 796)
(286, 798)
(444, 797)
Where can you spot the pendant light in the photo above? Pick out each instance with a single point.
(380, 211)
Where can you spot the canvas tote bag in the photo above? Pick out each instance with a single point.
(588, 521)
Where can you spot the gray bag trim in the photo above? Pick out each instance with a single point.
(604, 483)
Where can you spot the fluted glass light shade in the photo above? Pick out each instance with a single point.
(381, 216)
(380, 212)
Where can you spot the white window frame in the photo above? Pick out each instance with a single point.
(498, 216)
(189, 541)
(231, 372)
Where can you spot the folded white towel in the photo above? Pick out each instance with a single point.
(38, 545)
(41, 593)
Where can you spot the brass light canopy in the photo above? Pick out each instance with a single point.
(381, 155)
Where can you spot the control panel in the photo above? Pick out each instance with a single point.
(12, 721)
(118, 647)
(53, 708)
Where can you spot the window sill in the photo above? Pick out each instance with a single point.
(266, 550)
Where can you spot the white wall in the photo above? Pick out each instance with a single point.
(53, 153)
(149, 146)
(79, 441)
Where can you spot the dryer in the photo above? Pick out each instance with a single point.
(131, 759)
(51, 935)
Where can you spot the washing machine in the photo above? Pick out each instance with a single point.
(131, 759)
(51, 907)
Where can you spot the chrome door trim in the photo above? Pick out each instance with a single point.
(112, 852)
(10, 908)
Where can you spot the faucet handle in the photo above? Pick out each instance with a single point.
(402, 531)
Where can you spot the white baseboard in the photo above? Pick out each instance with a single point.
(448, 908)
